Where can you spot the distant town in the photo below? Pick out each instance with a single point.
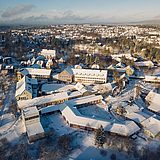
(76, 92)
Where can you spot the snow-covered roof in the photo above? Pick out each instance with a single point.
(119, 56)
(24, 84)
(126, 129)
(152, 78)
(52, 108)
(36, 71)
(42, 100)
(73, 103)
(47, 52)
(69, 70)
(90, 72)
(144, 64)
(30, 112)
(154, 100)
(104, 87)
(137, 117)
(34, 129)
(73, 116)
(96, 66)
(66, 88)
(152, 124)
(51, 87)
(74, 94)
(84, 100)
(132, 108)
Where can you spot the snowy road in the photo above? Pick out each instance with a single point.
(8, 99)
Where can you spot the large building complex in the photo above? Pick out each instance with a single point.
(90, 76)
(34, 73)
(85, 76)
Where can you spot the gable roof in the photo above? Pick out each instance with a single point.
(24, 84)
(69, 70)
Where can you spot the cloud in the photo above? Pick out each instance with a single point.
(64, 17)
(17, 10)
(53, 17)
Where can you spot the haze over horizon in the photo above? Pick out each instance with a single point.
(74, 11)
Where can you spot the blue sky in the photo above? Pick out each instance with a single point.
(77, 11)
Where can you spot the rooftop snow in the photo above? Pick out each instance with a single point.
(42, 100)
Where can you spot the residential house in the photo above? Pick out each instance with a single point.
(153, 100)
(48, 54)
(151, 126)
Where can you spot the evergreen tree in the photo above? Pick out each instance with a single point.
(97, 60)
(100, 136)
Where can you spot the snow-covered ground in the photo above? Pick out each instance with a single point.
(55, 122)
(83, 142)
(96, 111)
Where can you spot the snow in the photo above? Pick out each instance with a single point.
(57, 123)
(35, 71)
(51, 87)
(92, 153)
(42, 100)
(95, 110)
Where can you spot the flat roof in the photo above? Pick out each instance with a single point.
(30, 111)
(34, 129)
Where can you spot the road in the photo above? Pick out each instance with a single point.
(8, 99)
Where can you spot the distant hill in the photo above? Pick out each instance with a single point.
(150, 22)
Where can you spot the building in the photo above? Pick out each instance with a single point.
(66, 75)
(39, 74)
(90, 76)
(85, 76)
(148, 64)
(26, 88)
(151, 126)
(44, 101)
(48, 54)
(153, 100)
(118, 57)
(32, 123)
(69, 111)
(152, 79)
